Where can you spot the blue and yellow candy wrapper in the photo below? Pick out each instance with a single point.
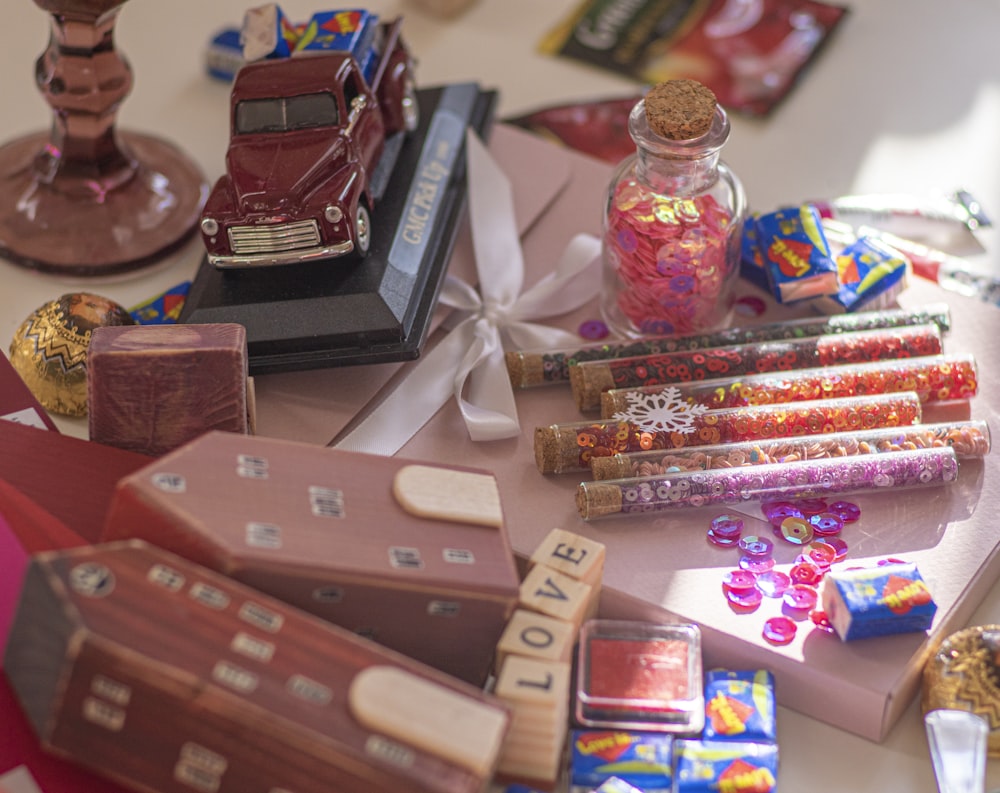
(751, 260)
(740, 705)
(713, 766)
(641, 759)
(351, 30)
(877, 601)
(869, 271)
(164, 309)
(796, 254)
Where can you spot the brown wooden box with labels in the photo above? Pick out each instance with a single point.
(321, 529)
(167, 676)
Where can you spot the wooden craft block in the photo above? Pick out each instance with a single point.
(72, 478)
(17, 403)
(170, 677)
(537, 692)
(550, 592)
(576, 556)
(321, 529)
(152, 388)
(535, 635)
(25, 526)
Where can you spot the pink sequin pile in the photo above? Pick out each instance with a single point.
(811, 525)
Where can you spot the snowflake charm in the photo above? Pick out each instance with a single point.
(660, 411)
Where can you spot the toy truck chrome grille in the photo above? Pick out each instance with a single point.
(248, 240)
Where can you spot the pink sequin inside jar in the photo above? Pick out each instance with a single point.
(673, 224)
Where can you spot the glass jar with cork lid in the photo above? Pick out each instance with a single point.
(673, 218)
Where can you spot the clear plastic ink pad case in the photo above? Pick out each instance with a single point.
(640, 675)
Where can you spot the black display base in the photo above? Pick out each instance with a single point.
(344, 311)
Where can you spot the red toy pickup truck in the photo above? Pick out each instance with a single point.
(313, 143)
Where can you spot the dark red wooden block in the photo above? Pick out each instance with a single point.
(152, 388)
(166, 676)
(321, 529)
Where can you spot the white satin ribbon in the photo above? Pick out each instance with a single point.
(469, 362)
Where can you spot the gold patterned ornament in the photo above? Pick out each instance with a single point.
(964, 674)
(49, 349)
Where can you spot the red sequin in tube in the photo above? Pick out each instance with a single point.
(530, 368)
(864, 473)
(934, 378)
(590, 379)
(571, 447)
(969, 439)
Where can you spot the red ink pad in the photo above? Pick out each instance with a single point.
(640, 675)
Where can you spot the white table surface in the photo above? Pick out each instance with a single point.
(905, 98)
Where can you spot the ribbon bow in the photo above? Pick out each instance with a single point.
(469, 362)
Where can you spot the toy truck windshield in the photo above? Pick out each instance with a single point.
(286, 114)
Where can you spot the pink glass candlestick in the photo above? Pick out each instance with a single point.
(84, 198)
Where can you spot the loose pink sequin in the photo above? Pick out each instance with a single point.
(826, 524)
(779, 630)
(755, 546)
(797, 531)
(744, 599)
(821, 621)
(740, 580)
(846, 510)
(800, 597)
(838, 545)
(805, 573)
(773, 583)
(756, 564)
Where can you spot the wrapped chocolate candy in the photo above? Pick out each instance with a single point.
(49, 349)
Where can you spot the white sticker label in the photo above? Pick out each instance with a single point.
(252, 647)
(309, 690)
(203, 757)
(101, 713)
(166, 577)
(326, 502)
(263, 618)
(28, 417)
(169, 483)
(405, 558)
(390, 751)
(92, 580)
(209, 596)
(328, 594)
(458, 556)
(263, 535)
(195, 777)
(250, 466)
(234, 677)
(111, 690)
(443, 608)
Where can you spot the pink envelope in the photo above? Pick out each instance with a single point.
(314, 406)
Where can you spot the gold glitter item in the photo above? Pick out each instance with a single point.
(964, 674)
(49, 349)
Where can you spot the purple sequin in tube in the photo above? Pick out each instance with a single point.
(863, 473)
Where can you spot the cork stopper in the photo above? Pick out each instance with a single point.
(525, 369)
(595, 500)
(556, 451)
(588, 381)
(614, 467)
(614, 401)
(680, 109)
